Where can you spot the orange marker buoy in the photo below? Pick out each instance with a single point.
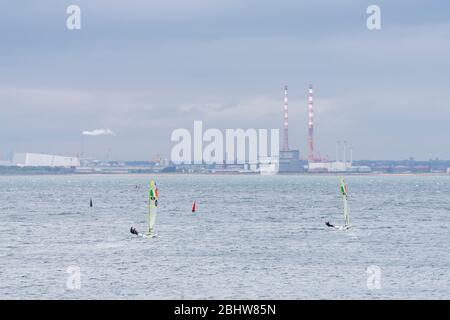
(193, 207)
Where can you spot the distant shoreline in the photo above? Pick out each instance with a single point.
(316, 174)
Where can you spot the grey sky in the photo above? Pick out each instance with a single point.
(145, 68)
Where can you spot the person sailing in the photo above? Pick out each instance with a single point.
(152, 208)
(346, 225)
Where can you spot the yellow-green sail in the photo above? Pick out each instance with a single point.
(152, 206)
(344, 199)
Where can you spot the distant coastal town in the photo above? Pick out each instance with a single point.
(286, 163)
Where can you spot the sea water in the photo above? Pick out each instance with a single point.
(252, 237)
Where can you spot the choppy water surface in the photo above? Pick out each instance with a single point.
(252, 237)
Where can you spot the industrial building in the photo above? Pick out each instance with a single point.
(336, 166)
(340, 165)
(269, 165)
(290, 161)
(44, 160)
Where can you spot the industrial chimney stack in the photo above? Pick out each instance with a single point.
(286, 121)
(311, 157)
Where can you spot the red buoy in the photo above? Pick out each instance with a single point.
(193, 207)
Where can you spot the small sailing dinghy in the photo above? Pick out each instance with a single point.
(152, 210)
(346, 215)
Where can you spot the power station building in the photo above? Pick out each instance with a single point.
(44, 160)
(290, 161)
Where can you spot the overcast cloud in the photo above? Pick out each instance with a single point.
(144, 68)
